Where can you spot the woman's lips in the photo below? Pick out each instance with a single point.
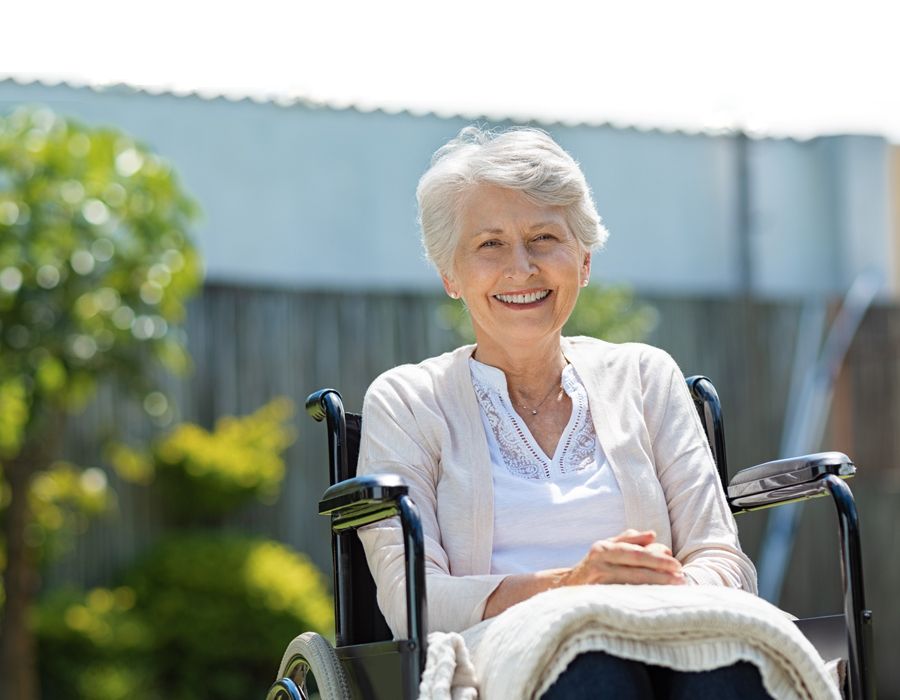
(524, 300)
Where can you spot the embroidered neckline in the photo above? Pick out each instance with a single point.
(521, 454)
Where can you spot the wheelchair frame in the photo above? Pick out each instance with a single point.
(379, 668)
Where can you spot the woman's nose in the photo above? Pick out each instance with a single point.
(520, 263)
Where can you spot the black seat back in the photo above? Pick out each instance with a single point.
(368, 623)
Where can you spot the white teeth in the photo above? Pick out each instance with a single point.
(523, 298)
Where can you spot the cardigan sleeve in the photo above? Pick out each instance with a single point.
(400, 430)
(704, 535)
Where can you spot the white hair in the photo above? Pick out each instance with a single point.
(519, 158)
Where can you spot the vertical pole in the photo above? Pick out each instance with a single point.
(340, 552)
(416, 604)
(744, 214)
(859, 619)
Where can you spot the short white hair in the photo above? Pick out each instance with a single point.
(519, 158)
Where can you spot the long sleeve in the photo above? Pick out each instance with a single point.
(403, 432)
(704, 535)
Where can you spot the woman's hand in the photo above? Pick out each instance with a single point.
(631, 557)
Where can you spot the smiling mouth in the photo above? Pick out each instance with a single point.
(527, 298)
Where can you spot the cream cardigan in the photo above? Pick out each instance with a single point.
(422, 422)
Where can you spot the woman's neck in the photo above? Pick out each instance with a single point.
(528, 370)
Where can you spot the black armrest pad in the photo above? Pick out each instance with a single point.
(362, 500)
(789, 472)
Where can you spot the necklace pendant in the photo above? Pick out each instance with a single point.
(534, 412)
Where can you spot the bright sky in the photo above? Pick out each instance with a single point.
(783, 67)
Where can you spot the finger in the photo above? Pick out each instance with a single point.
(643, 537)
(628, 554)
(659, 548)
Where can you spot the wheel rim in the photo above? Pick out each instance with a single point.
(297, 670)
(286, 689)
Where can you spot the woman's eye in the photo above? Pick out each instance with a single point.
(489, 244)
(545, 237)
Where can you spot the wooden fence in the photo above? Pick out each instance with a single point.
(249, 345)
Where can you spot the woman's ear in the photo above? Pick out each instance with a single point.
(586, 269)
(449, 287)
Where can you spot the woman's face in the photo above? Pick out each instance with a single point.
(517, 266)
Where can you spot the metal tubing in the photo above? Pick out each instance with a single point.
(337, 435)
(416, 605)
(710, 410)
(343, 622)
(331, 402)
(858, 617)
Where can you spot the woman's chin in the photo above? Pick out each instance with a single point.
(519, 335)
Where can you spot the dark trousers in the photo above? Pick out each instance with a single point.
(599, 675)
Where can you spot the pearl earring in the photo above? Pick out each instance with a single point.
(454, 295)
(584, 283)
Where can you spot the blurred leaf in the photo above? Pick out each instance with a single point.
(13, 415)
(63, 499)
(131, 464)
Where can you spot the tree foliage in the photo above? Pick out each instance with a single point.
(203, 475)
(96, 263)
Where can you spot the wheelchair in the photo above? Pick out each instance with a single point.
(368, 664)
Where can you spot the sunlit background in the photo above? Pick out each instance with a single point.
(776, 68)
(254, 165)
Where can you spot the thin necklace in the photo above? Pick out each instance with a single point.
(534, 410)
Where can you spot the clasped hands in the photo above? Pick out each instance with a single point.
(630, 557)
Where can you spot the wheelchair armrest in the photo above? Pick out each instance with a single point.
(362, 500)
(367, 499)
(784, 480)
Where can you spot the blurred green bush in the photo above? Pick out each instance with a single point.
(96, 646)
(203, 616)
(206, 612)
(202, 475)
(223, 609)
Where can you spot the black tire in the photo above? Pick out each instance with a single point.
(311, 653)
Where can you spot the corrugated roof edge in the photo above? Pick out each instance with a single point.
(287, 101)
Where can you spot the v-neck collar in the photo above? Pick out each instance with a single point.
(495, 380)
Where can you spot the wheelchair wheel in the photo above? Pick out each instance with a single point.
(310, 653)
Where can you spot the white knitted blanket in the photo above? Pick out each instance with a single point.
(520, 653)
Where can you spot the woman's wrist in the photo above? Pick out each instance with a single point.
(559, 578)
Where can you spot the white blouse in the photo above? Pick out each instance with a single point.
(548, 511)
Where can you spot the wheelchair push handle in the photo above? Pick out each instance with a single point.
(321, 404)
(327, 405)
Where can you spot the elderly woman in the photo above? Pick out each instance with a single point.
(538, 461)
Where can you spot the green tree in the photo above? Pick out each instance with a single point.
(95, 266)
